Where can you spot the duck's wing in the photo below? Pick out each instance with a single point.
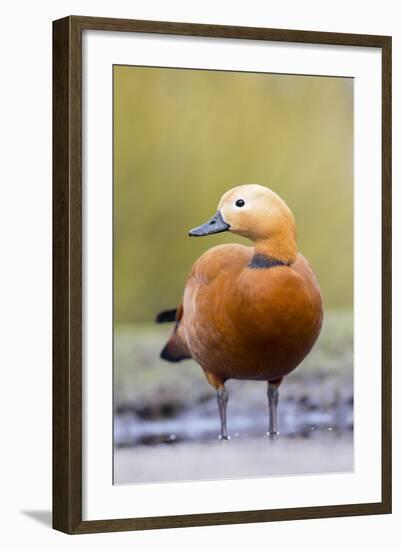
(215, 262)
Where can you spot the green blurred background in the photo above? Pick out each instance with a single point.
(183, 137)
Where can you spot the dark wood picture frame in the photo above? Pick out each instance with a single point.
(67, 274)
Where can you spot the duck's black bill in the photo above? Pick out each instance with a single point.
(214, 225)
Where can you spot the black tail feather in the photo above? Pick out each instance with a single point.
(169, 356)
(167, 316)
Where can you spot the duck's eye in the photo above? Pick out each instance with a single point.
(240, 203)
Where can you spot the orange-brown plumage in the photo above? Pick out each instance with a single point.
(248, 312)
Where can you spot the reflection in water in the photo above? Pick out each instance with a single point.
(297, 418)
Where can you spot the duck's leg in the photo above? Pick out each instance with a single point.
(222, 400)
(272, 395)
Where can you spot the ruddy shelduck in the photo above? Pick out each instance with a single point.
(248, 312)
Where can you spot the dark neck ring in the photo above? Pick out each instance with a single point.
(261, 261)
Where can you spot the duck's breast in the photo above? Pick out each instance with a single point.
(278, 315)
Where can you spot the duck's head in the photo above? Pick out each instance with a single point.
(259, 214)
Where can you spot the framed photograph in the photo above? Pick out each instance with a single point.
(222, 274)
